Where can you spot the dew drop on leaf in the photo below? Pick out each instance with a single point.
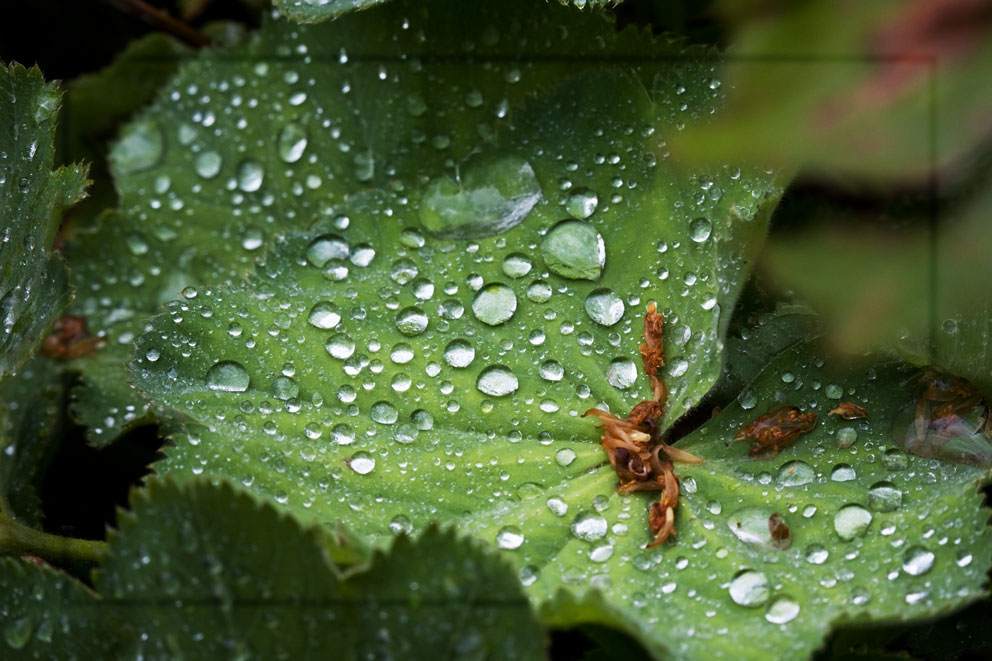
(497, 381)
(574, 249)
(325, 248)
(783, 609)
(604, 307)
(852, 521)
(700, 230)
(228, 376)
(749, 588)
(589, 526)
(551, 370)
(843, 473)
(140, 147)
(816, 554)
(411, 321)
(539, 291)
(581, 203)
(459, 353)
(517, 265)
(494, 304)
(492, 196)
(292, 142)
(384, 413)
(362, 462)
(250, 176)
(621, 373)
(917, 561)
(208, 164)
(795, 474)
(509, 537)
(324, 315)
(884, 497)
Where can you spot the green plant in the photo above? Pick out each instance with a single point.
(400, 254)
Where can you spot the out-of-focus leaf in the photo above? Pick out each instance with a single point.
(316, 11)
(887, 88)
(33, 284)
(96, 106)
(207, 572)
(32, 416)
(923, 294)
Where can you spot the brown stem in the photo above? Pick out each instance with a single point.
(162, 21)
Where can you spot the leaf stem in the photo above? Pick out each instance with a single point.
(162, 21)
(18, 539)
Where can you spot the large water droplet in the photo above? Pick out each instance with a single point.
(140, 147)
(795, 474)
(574, 249)
(752, 525)
(17, 632)
(384, 413)
(492, 196)
(700, 230)
(250, 176)
(292, 142)
(509, 537)
(581, 203)
(324, 315)
(284, 388)
(517, 265)
(884, 497)
(362, 462)
(497, 381)
(551, 370)
(208, 164)
(895, 459)
(604, 307)
(843, 473)
(621, 373)
(228, 376)
(750, 588)
(411, 321)
(459, 353)
(783, 609)
(325, 248)
(917, 560)
(852, 521)
(816, 554)
(589, 526)
(494, 304)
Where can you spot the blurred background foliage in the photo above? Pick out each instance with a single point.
(881, 110)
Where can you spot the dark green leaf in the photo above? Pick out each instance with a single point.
(33, 286)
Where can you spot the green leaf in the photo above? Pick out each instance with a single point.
(32, 420)
(316, 11)
(96, 105)
(387, 98)
(33, 286)
(206, 571)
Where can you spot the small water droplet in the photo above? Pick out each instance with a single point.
(917, 561)
(551, 370)
(400, 525)
(497, 381)
(459, 353)
(795, 474)
(852, 521)
(557, 506)
(750, 588)
(884, 497)
(362, 462)
(816, 554)
(895, 459)
(494, 304)
(411, 321)
(581, 203)
(589, 526)
(325, 248)
(751, 526)
(783, 609)
(208, 164)
(284, 388)
(250, 176)
(700, 230)
(228, 376)
(565, 456)
(324, 315)
(17, 632)
(340, 346)
(384, 413)
(748, 399)
(292, 142)
(604, 307)
(539, 292)
(509, 537)
(833, 391)
(843, 473)
(140, 147)
(621, 373)
(574, 249)
(846, 436)
(517, 265)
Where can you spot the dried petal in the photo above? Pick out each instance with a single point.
(849, 411)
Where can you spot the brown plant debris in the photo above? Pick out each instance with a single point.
(641, 458)
(849, 411)
(776, 429)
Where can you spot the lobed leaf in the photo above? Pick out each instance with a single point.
(207, 571)
(33, 285)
